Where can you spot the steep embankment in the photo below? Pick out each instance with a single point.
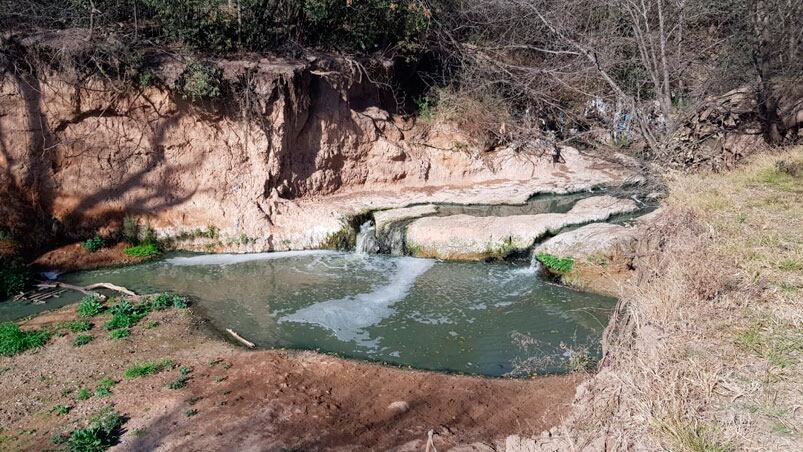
(706, 351)
(281, 160)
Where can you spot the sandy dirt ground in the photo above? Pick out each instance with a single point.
(256, 400)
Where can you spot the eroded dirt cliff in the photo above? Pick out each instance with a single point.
(290, 151)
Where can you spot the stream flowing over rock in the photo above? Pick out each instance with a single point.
(466, 237)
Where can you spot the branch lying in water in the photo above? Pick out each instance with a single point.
(88, 290)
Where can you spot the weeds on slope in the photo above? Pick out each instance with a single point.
(707, 349)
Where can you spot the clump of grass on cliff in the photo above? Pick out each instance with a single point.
(556, 264)
(708, 350)
(94, 244)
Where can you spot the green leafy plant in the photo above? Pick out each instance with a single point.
(120, 333)
(82, 340)
(83, 394)
(94, 244)
(167, 300)
(105, 386)
(126, 314)
(147, 368)
(90, 306)
(14, 341)
(181, 380)
(144, 250)
(151, 324)
(77, 326)
(102, 432)
(556, 264)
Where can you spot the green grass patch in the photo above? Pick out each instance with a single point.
(105, 386)
(14, 341)
(90, 306)
(79, 326)
(103, 431)
(82, 340)
(144, 250)
(147, 368)
(83, 394)
(121, 333)
(60, 410)
(555, 264)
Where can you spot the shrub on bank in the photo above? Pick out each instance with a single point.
(94, 244)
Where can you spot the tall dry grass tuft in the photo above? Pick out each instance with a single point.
(706, 350)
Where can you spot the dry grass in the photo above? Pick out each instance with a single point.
(708, 352)
(480, 115)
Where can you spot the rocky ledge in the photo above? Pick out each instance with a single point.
(466, 237)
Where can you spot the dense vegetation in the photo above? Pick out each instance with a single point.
(252, 25)
(15, 275)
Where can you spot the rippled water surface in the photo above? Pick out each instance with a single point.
(479, 318)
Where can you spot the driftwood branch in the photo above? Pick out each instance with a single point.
(88, 290)
(245, 342)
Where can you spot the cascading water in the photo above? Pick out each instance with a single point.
(535, 264)
(366, 239)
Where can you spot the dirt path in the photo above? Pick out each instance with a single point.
(257, 400)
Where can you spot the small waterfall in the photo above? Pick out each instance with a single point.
(535, 264)
(366, 239)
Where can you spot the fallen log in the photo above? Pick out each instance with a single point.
(113, 287)
(247, 343)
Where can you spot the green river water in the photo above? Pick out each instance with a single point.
(490, 319)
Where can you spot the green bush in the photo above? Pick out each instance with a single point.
(14, 341)
(200, 81)
(556, 264)
(144, 250)
(15, 276)
(90, 306)
(94, 244)
(82, 339)
(102, 432)
(105, 386)
(147, 368)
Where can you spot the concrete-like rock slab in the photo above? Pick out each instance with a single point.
(385, 218)
(591, 240)
(466, 237)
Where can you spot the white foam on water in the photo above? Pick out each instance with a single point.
(347, 318)
(229, 259)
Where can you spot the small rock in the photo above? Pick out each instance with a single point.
(399, 406)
